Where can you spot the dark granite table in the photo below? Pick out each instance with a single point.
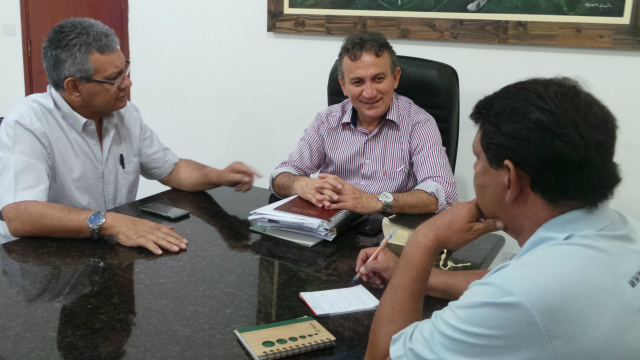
(85, 299)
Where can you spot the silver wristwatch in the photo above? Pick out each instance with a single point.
(95, 222)
(387, 201)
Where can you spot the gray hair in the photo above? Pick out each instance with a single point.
(365, 41)
(66, 52)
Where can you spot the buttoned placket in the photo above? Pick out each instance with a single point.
(367, 167)
(97, 156)
(107, 138)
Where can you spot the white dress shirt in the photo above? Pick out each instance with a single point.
(48, 152)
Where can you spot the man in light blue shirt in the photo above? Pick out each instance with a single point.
(543, 173)
(71, 153)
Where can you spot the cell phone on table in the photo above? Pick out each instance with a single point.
(167, 211)
(369, 227)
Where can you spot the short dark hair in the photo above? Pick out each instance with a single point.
(560, 135)
(66, 52)
(365, 41)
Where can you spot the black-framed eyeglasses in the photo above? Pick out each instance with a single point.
(115, 83)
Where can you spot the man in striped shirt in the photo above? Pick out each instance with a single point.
(376, 151)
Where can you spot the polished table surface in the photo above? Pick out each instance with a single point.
(85, 299)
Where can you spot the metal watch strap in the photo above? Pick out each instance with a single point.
(94, 227)
(387, 201)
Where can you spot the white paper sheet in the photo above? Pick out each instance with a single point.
(340, 301)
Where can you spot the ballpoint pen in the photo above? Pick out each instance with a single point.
(375, 254)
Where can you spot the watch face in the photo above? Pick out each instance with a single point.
(95, 219)
(385, 196)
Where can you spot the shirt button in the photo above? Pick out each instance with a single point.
(366, 161)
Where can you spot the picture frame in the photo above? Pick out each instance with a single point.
(505, 30)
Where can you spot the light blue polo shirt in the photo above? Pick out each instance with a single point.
(572, 292)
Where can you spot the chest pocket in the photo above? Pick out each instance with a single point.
(126, 179)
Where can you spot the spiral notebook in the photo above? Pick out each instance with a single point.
(302, 207)
(284, 338)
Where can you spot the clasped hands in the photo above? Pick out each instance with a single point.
(331, 192)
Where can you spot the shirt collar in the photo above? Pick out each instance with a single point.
(392, 114)
(572, 222)
(69, 115)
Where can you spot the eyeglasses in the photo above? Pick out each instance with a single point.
(117, 82)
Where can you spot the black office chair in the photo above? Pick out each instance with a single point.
(431, 85)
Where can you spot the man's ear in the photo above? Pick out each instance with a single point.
(72, 87)
(396, 77)
(342, 86)
(514, 181)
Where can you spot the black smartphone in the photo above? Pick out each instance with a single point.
(167, 211)
(369, 227)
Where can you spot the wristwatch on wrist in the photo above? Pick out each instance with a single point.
(95, 222)
(387, 201)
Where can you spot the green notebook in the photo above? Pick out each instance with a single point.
(284, 338)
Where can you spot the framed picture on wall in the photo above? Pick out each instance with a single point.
(611, 24)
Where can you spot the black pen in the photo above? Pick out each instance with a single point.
(122, 161)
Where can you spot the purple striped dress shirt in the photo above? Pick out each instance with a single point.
(404, 153)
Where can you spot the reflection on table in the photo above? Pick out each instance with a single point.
(76, 299)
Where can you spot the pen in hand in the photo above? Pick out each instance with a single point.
(375, 254)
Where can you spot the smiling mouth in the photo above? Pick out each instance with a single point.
(369, 103)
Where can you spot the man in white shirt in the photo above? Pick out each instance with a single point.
(544, 171)
(71, 153)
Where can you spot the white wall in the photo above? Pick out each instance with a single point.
(217, 87)
(11, 68)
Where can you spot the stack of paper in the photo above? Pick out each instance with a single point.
(298, 220)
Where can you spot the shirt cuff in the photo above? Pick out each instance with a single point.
(171, 159)
(278, 171)
(22, 180)
(436, 191)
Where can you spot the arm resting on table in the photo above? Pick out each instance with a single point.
(41, 218)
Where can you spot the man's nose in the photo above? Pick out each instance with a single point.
(369, 90)
(126, 82)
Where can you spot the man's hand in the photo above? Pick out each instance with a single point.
(457, 226)
(339, 194)
(131, 231)
(239, 175)
(305, 187)
(377, 272)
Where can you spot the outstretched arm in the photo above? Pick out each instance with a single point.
(189, 175)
